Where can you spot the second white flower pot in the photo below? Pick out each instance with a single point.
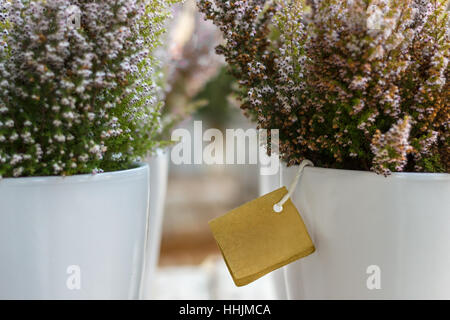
(78, 237)
(159, 166)
(376, 237)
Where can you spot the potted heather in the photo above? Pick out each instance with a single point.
(78, 107)
(361, 89)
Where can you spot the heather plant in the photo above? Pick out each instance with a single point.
(350, 84)
(189, 62)
(78, 89)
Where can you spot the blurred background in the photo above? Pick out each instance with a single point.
(198, 88)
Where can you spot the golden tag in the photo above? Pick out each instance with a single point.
(255, 240)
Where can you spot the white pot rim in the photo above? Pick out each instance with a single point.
(370, 174)
(141, 168)
(160, 151)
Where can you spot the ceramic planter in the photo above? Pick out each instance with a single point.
(78, 237)
(376, 237)
(159, 164)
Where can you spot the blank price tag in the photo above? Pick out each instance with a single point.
(255, 240)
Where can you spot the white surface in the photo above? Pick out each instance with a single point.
(211, 280)
(159, 168)
(356, 219)
(179, 283)
(97, 222)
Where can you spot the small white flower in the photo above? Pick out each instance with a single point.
(9, 123)
(13, 137)
(60, 137)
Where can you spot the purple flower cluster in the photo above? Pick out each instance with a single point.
(189, 62)
(350, 84)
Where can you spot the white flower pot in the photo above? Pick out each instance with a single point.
(376, 237)
(159, 164)
(78, 237)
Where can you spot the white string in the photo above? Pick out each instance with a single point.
(278, 207)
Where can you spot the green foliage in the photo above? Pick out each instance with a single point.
(216, 93)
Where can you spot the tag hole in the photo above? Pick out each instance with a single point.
(277, 208)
